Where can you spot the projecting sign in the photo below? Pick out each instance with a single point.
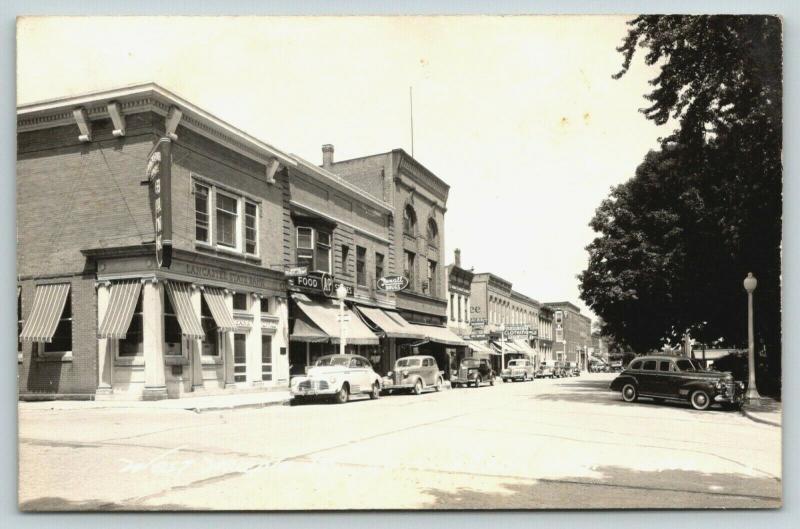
(319, 282)
(392, 283)
(296, 271)
(159, 174)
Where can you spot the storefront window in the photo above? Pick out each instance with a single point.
(133, 343)
(211, 340)
(361, 266)
(266, 358)
(172, 330)
(239, 357)
(226, 218)
(62, 339)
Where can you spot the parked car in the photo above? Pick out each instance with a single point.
(414, 373)
(560, 369)
(519, 369)
(572, 369)
(546, 369)
(337, 376)
(473, 372)
(679, 379)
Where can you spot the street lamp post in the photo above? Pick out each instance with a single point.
(502, 346)
(752, 395)
(341, 293)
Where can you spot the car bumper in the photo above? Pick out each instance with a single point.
(387, 385)
(313, 390)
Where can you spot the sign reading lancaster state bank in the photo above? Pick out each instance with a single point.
(222, 274)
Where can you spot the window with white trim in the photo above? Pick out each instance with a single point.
(314, 249)
(266, 358)
(62, 339)
(211, 341)
(361, 266)
(225, 219)
(133, 343)
(173, 338)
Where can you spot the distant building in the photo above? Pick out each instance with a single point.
(572, 333)
(459, 285)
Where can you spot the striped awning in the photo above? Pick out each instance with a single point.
(180, 297)
(48, 305)
(391, 323)
(215, 298)
(121, 304)
(324, 314)
(481, 348)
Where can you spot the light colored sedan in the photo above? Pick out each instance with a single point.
(518, 370)
(337, 376)
(414, 373)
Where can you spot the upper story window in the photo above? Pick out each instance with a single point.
(361, 266)
(433, 232)
(378, 265)
(225, 219)
(314, 249)
(240, 301)
(430, 281)
(408, 269)
(409, 221)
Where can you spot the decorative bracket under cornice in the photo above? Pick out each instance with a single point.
(117, 118)
(172, 121)
(272, 168)
(84, 125)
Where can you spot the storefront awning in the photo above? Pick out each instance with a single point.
(324, 315)
(181, 300)
(391, 323)
(305, 331)
(215, 299)
(441, 335)
(481, 348)
(121, 304)
(525, 348)
(48, 305)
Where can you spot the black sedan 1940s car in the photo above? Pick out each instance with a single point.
(682, 379)
(472, 372)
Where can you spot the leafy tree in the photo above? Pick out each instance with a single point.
(676, 241)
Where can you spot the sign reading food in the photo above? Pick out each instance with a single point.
(392, 283)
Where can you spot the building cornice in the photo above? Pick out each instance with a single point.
(421, 175)
(148, 97)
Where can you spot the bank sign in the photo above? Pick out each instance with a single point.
(319, 282)
(159, 175)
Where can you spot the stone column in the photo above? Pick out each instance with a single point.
(196, 345)
(254, 342)
(280, 363)
(227, 341)
(105, 348)
(155, 387)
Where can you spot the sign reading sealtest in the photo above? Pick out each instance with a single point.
(392, 283)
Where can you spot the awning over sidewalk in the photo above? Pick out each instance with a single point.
(525, 348)
(181, 300)
(441, 335)
(119, 313)
(323, 316)
(481, 348)
(391, 323)
(48, 305)
(223, 317)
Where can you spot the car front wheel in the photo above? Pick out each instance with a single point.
(477, 382)
(418, 387)
(343, 395)
(438, 386)
(629, 393)
(700, 400)
(376, 391)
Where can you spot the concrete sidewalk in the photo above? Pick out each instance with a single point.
(768, 411)
(196, 404)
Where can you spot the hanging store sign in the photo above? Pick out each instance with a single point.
(392, 283)
(296, 271)
(319, 282)
(159, 175)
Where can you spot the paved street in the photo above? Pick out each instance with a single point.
(546, 444)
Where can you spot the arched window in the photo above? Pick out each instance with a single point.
(433, 232)
(409, 221)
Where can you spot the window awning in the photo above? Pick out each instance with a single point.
(482, 348)
(441, 335)
(223, 317)
(181, 300)
(119, 313)
(391, 323)
(48, 305)
(525, 348)
(305, 331)
(324, 315)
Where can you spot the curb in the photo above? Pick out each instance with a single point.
(759, 420)
(251, 405)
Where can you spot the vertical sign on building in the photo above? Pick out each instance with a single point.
(159, 174)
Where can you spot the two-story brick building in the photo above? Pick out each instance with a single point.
(572, 333)
(149, 249)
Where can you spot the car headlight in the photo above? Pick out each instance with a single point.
(404, 373)
(389, 374)
(332, 380)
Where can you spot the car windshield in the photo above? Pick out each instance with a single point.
(470, 363)
(409, 362)
(686, 364)
(333, 361)
(515, 363)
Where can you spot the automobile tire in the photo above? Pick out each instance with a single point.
(376, 391)
(417, 387)
(700, 400)
(296, 401)
(491, 381)
(505, 380)
(343, 395)
(438, 386)
(629, 393)
(478, 382)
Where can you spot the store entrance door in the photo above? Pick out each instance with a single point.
(239, 358)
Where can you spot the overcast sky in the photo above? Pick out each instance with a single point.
(518, 114)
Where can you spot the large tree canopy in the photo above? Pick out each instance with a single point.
(675, 242)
